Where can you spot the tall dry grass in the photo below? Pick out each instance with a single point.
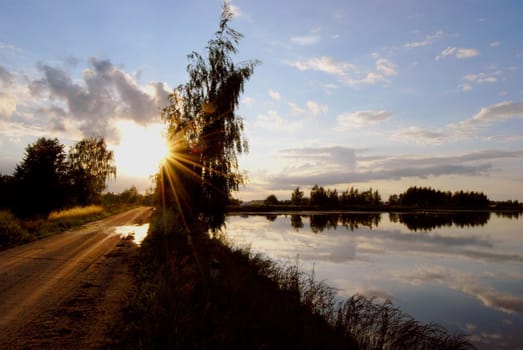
(76, 212)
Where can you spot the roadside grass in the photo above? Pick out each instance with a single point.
(76, 212)
(15, 231)
(196, 291)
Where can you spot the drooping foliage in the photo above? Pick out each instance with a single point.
(202, 117)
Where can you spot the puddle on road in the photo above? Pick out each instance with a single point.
(136, 232)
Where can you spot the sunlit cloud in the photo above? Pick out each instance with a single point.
(105, 93)
(358, 119)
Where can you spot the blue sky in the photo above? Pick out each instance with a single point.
(381, 94)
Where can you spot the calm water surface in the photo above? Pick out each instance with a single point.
(463, 271)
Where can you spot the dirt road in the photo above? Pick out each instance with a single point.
(65, 291)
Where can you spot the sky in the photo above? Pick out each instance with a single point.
(382, 94)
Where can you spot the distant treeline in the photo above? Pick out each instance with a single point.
(413, 198)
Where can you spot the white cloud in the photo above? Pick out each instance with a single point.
(315, 108)
(467, 128)
(385, 67)
(466, 53)
(494, 114)
(460, 53)
(465, 87)
(483, 77)
(275, 95)
(248, 101)
(429, 39)
(360, 119)
(447, 52)
(478, 78)
(311, 107)
(348, 73)
(495, 44)
(272, 120)
(306, 39)
(325, 64)
(296, 109)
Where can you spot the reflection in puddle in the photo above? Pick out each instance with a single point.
(136, 232)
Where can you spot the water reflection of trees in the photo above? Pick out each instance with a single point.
(509, 214)
(427, 221)
(350, 221)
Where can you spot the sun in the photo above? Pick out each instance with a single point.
(141, 149)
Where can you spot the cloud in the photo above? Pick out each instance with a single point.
(274, 95)
(306, 39)
(470, 284)
(6, 77)
(495, 44)
(343, 157)
(467, 128)
(348, 73)
(358, 119)
(325, 64)
(460, 53)
(429, 39)
(7, 105)
(327, 167)
(493, 114)
(466, 53)
(105, 93)
(483, 77)
(311, 107)
(464, 87)
(272, 120)
(248, 101)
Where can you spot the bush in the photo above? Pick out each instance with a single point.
(11, 232)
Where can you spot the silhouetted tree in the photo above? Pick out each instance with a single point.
(202, 112)
(271, 200)
(297, 197)
(91, 164)
(41, 179)
(7, 191)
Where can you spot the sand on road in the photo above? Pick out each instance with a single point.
(66, 291)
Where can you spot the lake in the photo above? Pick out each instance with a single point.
(463, 271)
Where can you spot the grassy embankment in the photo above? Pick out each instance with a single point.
(15, 231)
(198, 292)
